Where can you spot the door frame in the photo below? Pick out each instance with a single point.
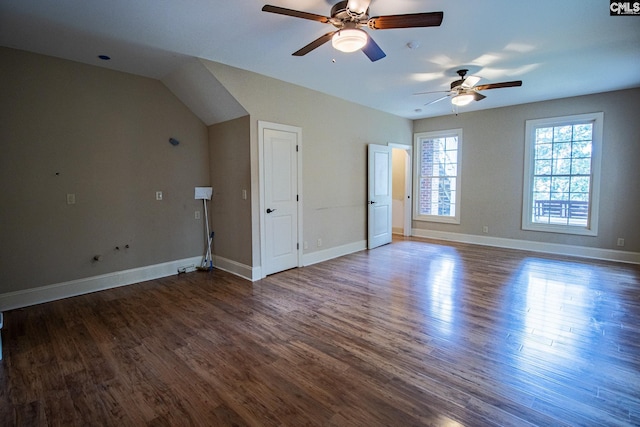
(262, 125)
(408, 179)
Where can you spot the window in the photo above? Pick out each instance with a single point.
(437, 185)
(562, 174)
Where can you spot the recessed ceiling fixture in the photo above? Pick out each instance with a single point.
(104, 57)
(349, 39)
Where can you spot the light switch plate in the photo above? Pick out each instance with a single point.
(158, 195)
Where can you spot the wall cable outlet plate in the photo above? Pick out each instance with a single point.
(202, 193)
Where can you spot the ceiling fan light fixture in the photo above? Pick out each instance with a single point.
(349, 39)
(462, 99)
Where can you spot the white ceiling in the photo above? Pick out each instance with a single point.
(557, 48)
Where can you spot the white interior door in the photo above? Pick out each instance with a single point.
(280, 207)
(379, 203)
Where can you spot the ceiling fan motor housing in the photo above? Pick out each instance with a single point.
(340, 14)
(456, 84)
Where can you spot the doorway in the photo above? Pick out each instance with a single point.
(402, 189)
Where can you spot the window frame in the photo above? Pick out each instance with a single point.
(418, 138)
(591, 228)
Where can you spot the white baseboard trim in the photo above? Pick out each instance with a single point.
(236, 268)
(338, 251)
(528, 245)
(42, 294)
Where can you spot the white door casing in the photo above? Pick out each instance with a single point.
(408, 203)
(279, 202)
(379, 203)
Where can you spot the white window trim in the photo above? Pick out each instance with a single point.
(591, 229)
(416, 176)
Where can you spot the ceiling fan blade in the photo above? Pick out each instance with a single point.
(499, 85)
(430, 19)
(437, 100)
(478, 96)
(358, 6)
(295, 13)
(432, 91)
(373, 51)
(314, 44)
(470, 82)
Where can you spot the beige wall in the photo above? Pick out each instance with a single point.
(335, 134)
(102, 135)
(493, 159)
(230, 166)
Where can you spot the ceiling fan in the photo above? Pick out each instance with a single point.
(464, 90)
(349, 17)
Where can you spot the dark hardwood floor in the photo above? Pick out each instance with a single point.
(413, 333)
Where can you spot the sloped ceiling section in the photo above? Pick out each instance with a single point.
(203, 94)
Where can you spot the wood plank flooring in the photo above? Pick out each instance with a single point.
(415, 333)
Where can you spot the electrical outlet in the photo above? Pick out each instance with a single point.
(158, 195)
(244, 194)
(319, 242)
(71, 199)
(186, 268)
(197, 215)
(620, 241)
(485, 229)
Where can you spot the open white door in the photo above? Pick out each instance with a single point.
(279, 154)
(379, 203)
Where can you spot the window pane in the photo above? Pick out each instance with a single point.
(562, 150)
(562, 133)
(542, 185)
(542, 167)
(560, 185)
(544, 151)
(581, 149)
(544, 135)
(581, 166)
(561, 166)
(582, 132)
(452, 194)
(541, 196)
(580, 184)
(579, 197)
(451, 156)
(452, 209)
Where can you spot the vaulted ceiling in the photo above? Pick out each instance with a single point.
(558, 49)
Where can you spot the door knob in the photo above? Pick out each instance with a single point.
(270, 210)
